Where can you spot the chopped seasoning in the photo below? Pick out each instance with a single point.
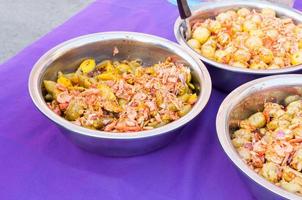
(122, 96)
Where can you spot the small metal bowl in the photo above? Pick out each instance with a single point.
(240, 104)
(150, 49)
(226, 77)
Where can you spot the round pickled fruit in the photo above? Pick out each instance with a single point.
(266, 55)
(249, 26)
(296, 58)
(222, 56)
(273, 66)
(278, 61)
(223, 17)
(273, 34)
(236, 27)
(257, 33)
(300, 44)
(87, 65)
(271, 172)
(223, 38)
(253, 43)
(239, 64)
(201, 34)
(298, 31)
(268, 12)
(230, 49)
(260, 65)
(242, 55)
(208, 51)
(211, 42)
(195, 44)
(256, 18)
(257, 120)
(214, 26)
(243, 12)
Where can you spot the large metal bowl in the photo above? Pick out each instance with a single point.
(240, 104)
(66, 57)
(226, 77)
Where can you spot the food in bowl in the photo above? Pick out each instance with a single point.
(247, 38)
(122, 96)
(270, 142)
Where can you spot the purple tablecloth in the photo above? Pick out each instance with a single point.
(38, 162)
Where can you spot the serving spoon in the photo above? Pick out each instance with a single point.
(185, 13)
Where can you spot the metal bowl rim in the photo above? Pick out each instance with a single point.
(222, 4)
(40, 66)
(222, 132)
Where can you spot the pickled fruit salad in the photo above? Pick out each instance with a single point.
(247, 38)
(270, 142)
(122, 96)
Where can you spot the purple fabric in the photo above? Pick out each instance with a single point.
(38, 162)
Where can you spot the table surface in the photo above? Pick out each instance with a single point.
(38, 162)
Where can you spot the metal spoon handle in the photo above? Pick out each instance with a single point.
(183, 8)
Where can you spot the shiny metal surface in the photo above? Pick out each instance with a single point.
(225, 77)
(242, 102)
(150, 49)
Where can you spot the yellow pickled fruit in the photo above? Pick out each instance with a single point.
(195, 44)
(242, 55)
(223, 38)
(256, 18)
(222, 56)
(266, 55)
(296, 58)
(107, 76)
(123, 68)
(260, 65)
(298, 32)
(257, 120)
(51, 88)
(211, 41)
(215, 26)
(208, 51)
(243, 12)
(258, 33)
(87, 65)
(239, 64)
(271, 171)
(106, 92)
(253, 43)
(201, 34)
(230, 49)
(268, 12)
(64, 81)
(105, 64)
(249, 26)
(273, 34)
(273, 66)
(184, 110)
(192, 99)
(236, 27)
(300, 44)
(184, 97)
(231, 13)
(223, 17)
(278, 61)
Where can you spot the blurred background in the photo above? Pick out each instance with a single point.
(24, 21)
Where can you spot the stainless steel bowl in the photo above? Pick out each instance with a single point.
(150, 49)
(226, 77)
(240, 104)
